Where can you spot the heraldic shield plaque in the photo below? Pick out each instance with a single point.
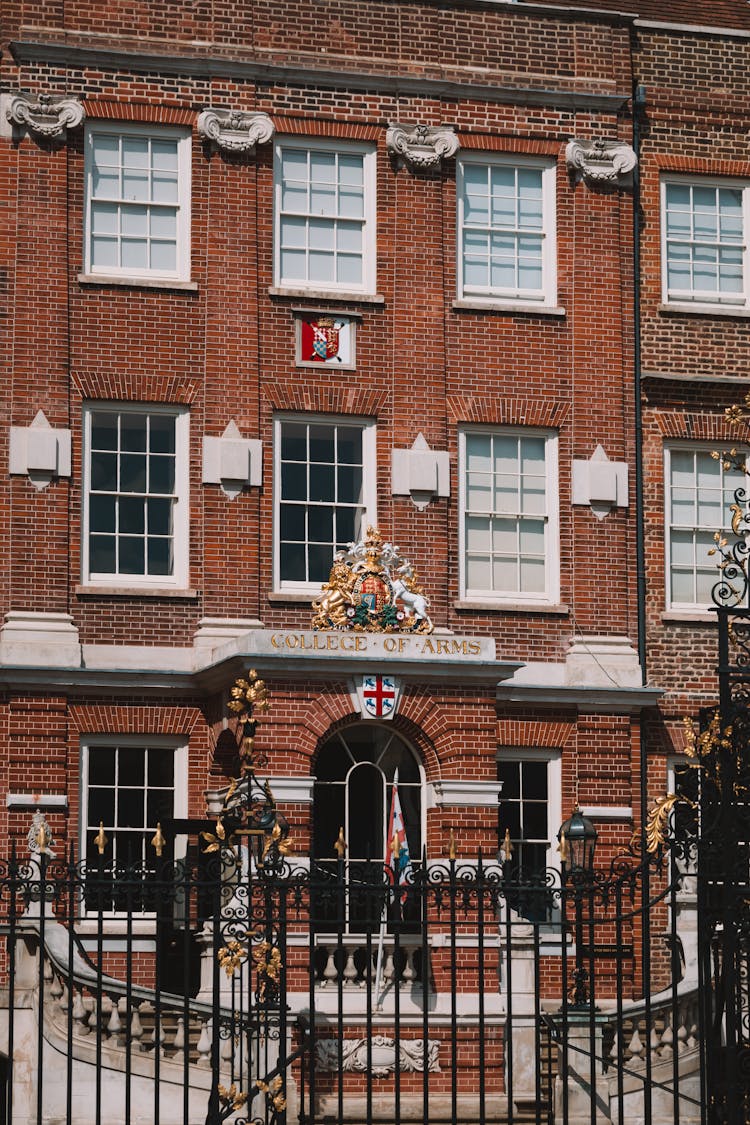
(372, 588)
(325, 340)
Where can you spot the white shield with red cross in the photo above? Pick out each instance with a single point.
(378, 696)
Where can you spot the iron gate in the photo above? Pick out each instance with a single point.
(238, 983)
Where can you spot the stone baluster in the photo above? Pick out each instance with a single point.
(204, 1045)
(666, 1043)
(409, 975)
(136, 1028)
(80, 1014)
(56, 989)
(330, 972)
(114, 1024)
(635, 1046)
(350, 969)
(389, 969)
(179, 1041)
(226, 1049)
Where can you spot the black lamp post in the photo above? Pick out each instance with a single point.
(577, 837)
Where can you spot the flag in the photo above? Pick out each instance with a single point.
(397, 857)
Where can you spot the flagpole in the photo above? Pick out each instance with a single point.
(384, 911)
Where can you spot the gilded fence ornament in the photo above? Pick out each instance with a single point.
(657, 821)
(231, 956)
(231, 1097)
(273, 1093)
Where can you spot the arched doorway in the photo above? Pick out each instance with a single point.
(354, 779)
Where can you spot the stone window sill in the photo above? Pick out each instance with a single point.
(289, 596)
(137, 282)
(699, 309)
(688, 617)
(134, 592)
(470, 605)
(528, 308)
(328, 295)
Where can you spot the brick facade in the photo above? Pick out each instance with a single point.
(510, 80)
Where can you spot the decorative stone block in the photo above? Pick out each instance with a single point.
(420, 472)
(421, 148)
(47, 118)
(381, 1052)
(39, 452)
(232, 461)
(600, 483)
(39, 639)
(597, 661)
(233, 130)
(602, 165)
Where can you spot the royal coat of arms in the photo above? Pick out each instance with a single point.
(371, 588)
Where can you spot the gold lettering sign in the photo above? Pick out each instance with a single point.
(376, 644)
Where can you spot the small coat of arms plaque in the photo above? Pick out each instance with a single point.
(325, 340)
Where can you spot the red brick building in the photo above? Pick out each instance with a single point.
(271, 279)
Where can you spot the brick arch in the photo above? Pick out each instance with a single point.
(497, 410)
(305, 398)
(106, 718)
(128, 387)
(697, 426)
(409, 731)
(538, 732)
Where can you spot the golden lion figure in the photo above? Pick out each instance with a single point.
(330, 607)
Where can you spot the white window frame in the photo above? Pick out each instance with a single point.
(369, 468)
(553, 758)
(547, 295)
(155, 132)
(669, 449)
(179, 748)
(707, 300)
(181, 507)
(369, 246)
(551, 593)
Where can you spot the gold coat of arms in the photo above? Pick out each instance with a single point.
(372, 589)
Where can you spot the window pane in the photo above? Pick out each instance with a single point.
(132, 473)
(103, 471)
(102, 767)
(102, 554)
(132, 555)
(294, 482)
(132, 516)
(160, 556)
(161, 475)
(102, 513)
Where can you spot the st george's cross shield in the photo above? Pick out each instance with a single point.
(379, 696)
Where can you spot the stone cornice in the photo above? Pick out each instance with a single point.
(304, 74)
(190, 671)
(612, 700)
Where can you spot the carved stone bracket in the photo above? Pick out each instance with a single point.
(603, 165)
(382, 1051)
(233, 130)
(45, 117)
(421, 148)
